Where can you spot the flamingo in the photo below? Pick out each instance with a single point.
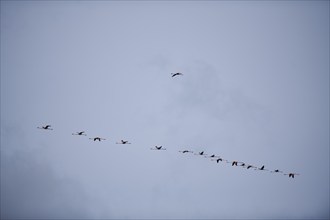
(212, 156)
(234, 163)
(276, 171)
(242, 164)
(176, 74)
(219, 159)
(79, 133)
(158, 148)
(185, 151)
(261, 168)
(123, 142)
(291, 174)
(201, 153)
(250, 166)
(97, 139)
(47, 127)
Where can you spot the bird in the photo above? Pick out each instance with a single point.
(176, 74)
(97, 139)
(158, 148)
(261, 168)
(185, 151)
(250, 166)
(234, 163)
(47, 127)
(291, 174)
(219, 159)
(201, 153)
(212, 156)
(79, 133)
(242, 164)
(123, 142)
(276, 171)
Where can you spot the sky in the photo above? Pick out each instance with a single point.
(255, 88)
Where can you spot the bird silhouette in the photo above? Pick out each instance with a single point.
(97, 139)
(158, 148)
(123, 142)
(261, 168)
(234, 163)
(47, 127)
(185, 151)
(250, 166)
(291, 174)
(242, 164)
(176, 74)
(219, 159)
(201, 153)
(276, 171)
(79, 133)
(212, 156)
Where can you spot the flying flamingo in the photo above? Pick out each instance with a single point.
(276, 171)
(261, 168)
(201, 153)
(47, 127)
(185, 151)
(291, 174)
(123, 142)
(79, 133)
(250, 166)
(219, 159)
(158, 148)
(212, 156)
(242, 164)
(97, 139)
(176, 74)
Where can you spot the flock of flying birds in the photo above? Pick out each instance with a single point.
(213, 157)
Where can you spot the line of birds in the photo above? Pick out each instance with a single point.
(213, 157)
(219, 159)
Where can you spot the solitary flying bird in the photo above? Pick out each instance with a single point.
(176, 74)
(47, 127)
(97, 139)
(79, 133)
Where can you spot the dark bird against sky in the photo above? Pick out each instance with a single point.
(79, 133)
(47, 127)
(176, 74)
(97, 139)
(123, 142)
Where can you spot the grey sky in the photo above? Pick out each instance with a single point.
(255, 89)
